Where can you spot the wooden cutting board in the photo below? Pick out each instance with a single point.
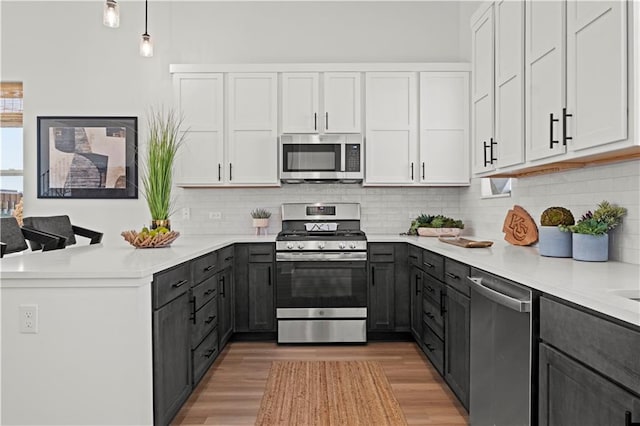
(463, 242)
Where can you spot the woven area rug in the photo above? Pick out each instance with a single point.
(328, 393)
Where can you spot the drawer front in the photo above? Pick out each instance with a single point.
(205, 320)
(381, 253)
(415, 256)
(204, 267)
(169, 284)
(225, 258)
(262, 253)
(432, 288)
(605, 346)
(204, 355)
(205, 291)
(432, 316)
(433, 348)
(455, 275)
(433, 264)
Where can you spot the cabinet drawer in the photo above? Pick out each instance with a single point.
(205, 320)
(225, 258)
(204, 267)
(433, 264)
(262, 253)
(432, 288)
(381, 253)
(433, 348)
(204, 355)
(415, 256)
(169, 284)
(455, 274)
(432, 315)
(204, 292)
(605, 346)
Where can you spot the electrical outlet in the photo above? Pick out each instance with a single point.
(28, 318)
(215, 215)
(186, 213)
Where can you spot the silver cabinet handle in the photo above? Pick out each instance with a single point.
(501, 298)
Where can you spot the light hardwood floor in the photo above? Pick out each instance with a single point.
(231, 391)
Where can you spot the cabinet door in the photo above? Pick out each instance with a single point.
(509, 82)
(253, 125)
(391, 136)
(261, 297)
(544, 78)
(300, 103)
(381, 311)
(570, 394)
(596, 72)
(416, 303)
(342, 101)
(225, 299)
(456, 344)
(171, 358)
(444, 128)
(482, 92)
(199, 101)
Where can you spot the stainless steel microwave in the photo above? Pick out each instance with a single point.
(321, 158)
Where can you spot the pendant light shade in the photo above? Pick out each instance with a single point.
(146, 45)
(111, 14)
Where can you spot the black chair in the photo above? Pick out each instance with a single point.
(13, 239)
(60, 226)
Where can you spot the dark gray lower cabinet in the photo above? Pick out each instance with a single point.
(254, 288)
(571, 394)
(261, 297)
(389, 288)
(456, 348)
(381, 312)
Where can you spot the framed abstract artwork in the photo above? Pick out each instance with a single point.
(87, 157)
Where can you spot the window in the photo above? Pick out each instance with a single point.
(11, 160)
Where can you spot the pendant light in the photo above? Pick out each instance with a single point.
(111, 14)
(146, 45)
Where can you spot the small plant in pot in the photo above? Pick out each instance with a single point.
(591, 232)
(552, 242)
(260, 219)
(435, 226)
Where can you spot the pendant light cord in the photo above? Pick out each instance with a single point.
(146, 6)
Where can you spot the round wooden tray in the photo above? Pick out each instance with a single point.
(438, 232)
(159, 240)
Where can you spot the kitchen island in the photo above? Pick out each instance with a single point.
(91, 359)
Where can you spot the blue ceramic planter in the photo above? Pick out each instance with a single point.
(552, 242)
(591, 248)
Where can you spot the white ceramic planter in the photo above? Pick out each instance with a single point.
(591, 248)
(260, 223)
(552, 242)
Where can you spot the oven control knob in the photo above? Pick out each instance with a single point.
(300, 246)
(289, 246)
(321, 245)
(342, 246)
(352, 245)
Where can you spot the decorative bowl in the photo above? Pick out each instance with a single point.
(438, 232)
(150, 241)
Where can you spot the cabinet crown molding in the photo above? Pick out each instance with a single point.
(321, 67)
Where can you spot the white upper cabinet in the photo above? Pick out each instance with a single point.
(544, 77)
(338, 110)
(482, 74)
(391, 123)
(252, 145)
(200, 102)
(596, 72)
(444, 128)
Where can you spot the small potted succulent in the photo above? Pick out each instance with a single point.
(591, 232)
(552, 242)
(435, 226)
(260, 219)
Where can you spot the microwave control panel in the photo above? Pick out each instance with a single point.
(352, 160)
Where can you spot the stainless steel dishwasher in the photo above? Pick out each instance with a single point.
(503, 352)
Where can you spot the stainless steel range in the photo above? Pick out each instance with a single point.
(321, 283)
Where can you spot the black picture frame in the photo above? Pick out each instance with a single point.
(87, 157)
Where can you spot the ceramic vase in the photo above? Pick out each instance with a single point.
(591, 248)
(552, 242)
(261, 223)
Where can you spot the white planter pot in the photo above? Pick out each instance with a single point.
(260, 223)
(591, 248)
(552, 242)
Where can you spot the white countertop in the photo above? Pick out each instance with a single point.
(589, 284)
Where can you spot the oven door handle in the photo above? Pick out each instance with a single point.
(321, 257)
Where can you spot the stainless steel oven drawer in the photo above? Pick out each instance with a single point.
(322, 331)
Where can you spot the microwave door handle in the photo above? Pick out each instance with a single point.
(343, 155)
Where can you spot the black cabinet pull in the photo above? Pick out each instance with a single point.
(431, 348)
(192, 316)
(565, 138)
(628, 421)
(219, 172)
(551, 121)
(373, 276)
(427, 264)
(269, 273)
(430, 315)
(208, 353)
(452, 276)
(493, 143)
(315, 121)
(230, 171)
(222, 283)
(179, 283)
(208, 268)
(411, 171)
(485, 147)
(326, 121)
(208, 292)
(430, 289)
(210, 319)
(423, 170)
(443, 309)
(417, 284)
(226, 259)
